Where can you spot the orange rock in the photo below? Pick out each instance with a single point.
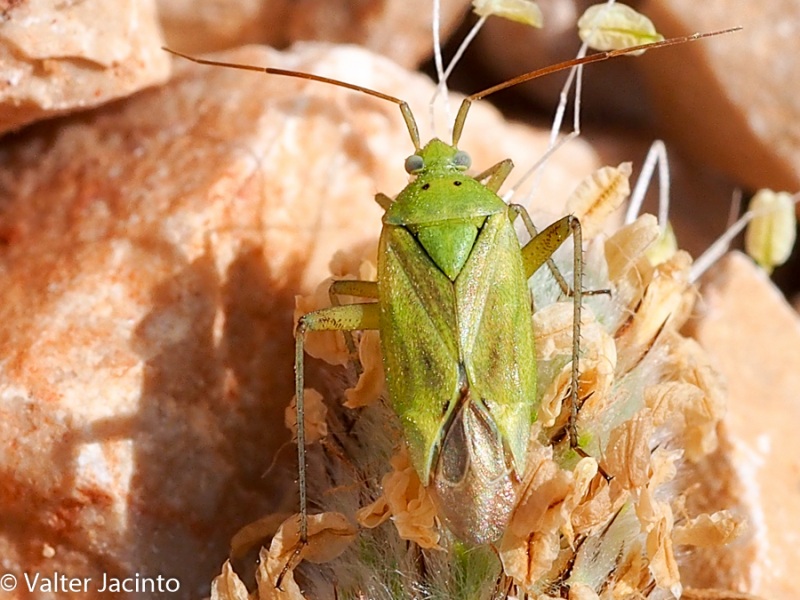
(753, 335)
(730, 101)
(399, 30)
(58, 57)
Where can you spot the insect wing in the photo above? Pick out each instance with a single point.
(419, 343)
(496, 335)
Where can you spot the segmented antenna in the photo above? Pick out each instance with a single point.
(408, 117)
(568, 64)
(461, 117)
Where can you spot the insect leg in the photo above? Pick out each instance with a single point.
(351, 287)
(537, 252)
(520, 210)
(354, 287)
(334, 318)
(551, 265)
(383, 200)
(496, 174)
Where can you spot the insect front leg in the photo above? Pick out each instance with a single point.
(383, 200)
(346, 318)
(496, 174)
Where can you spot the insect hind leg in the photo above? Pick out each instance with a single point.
(547, 259)
(538, 251)
(346, 318)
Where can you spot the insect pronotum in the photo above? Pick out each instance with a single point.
(452, 306)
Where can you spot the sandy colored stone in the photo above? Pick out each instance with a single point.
(151, 251)
(58, 57)
(753, 335)
(219, 24)
(399, 30)
(718, 483)
(732, 102)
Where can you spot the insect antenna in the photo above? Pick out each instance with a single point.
(568, 64)
(408, 117)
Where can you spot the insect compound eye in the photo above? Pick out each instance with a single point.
(414, 163)
(462, 160)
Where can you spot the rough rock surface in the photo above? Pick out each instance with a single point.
(731, 101)
(58, 57)
(399, 30)
(753, 334)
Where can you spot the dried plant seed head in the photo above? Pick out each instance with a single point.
(526, 12)
(370, 386)
(643, 433)
(771, 233)
(616, 26)
(599, 195)
(228, 586)
(664, 247)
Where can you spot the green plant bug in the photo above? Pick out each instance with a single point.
(453, 310)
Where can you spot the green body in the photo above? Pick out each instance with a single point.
(455, 326)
